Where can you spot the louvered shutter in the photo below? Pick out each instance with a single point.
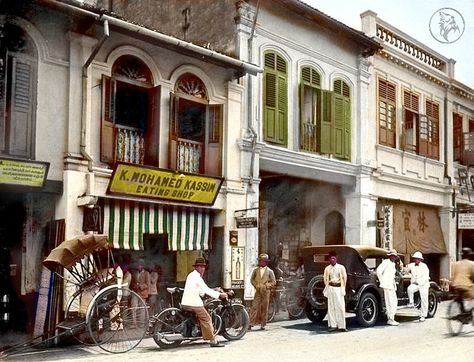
(152, 127)
(457, 137)
(21, 106)
(326, 130)
(3, 100)
(338, 126)
(173, 131)
(275, 99)
(213, 158)
(347, 129)
(282, 125)
(107, 133)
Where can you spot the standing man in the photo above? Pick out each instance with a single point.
(153, 291)
(386, 274)
(141, 285)
(463, 280)
(335, 279)
(263, 280)
(420, 281)
(194, 288)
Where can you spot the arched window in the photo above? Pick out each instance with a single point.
(18, 78)
(310, 109)
(195, 128)
(130, 114)
(275, 99)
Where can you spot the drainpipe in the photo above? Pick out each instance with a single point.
(84, 114)
(446, 174)
(249, 96)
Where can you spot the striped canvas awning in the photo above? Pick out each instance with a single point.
(125, 222)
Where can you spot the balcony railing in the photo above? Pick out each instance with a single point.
(189, 156)
(130, 145)
(308, 141)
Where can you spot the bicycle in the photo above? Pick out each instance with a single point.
(287, 296)
(457, 317)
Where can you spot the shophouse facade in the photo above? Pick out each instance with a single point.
(305, 119)
(118, 129)
(419, 122)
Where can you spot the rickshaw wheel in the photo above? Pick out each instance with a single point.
(74, 315)
(117, 324)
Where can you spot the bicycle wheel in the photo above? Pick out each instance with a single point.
(272, 309)
(114, 326)
(454, 319)
(169, 323)
(235, 322)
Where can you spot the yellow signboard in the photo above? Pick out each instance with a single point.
(23, 173)
(156, 183)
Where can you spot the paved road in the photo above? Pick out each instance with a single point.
(300, 340)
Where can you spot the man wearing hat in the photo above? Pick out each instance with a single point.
(420, 281)
(263, 280)
(463, 279)
(194, 288)
(386, 272)
(335, 279)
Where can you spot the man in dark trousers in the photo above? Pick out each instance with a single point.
(263, 280)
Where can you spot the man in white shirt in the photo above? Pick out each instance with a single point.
(420, 281)
(386, 274)
(335, 279)
(194, 289)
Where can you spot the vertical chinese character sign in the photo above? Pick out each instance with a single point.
(387, 231)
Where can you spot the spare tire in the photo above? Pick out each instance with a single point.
(315, 293)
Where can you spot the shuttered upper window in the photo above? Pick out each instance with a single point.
(387, 113)
(411, 122)
(18, 69)
(457, 137)
(275, 99)
(310, 110)
(429, 131)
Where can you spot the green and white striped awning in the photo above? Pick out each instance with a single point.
(125, 222)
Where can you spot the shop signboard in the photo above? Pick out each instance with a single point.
(155, 183)
(23, 173)
(466, 220)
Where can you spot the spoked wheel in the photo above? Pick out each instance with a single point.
(75, 314)
(367, 311)
(295, 305)
(455, 318)
(235, 322)
(168, 329)
(117, 326)
(272, 309)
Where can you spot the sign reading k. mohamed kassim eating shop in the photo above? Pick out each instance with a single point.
(151, 182)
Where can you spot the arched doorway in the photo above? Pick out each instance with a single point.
(334, 229)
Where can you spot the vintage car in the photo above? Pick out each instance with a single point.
(364, 297)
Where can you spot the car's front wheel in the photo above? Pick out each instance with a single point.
(367, 311)
(315, 314)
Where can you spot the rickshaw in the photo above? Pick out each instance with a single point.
(101, 311)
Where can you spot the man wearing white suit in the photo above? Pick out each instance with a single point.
(386, 274)
(420, 281)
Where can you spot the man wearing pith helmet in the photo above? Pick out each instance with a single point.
(420, 281)
(263, 280)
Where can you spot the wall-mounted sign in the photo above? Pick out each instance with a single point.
(151, 182)
(23, 173)
(466, 220)
(246, 222)
(237, 265)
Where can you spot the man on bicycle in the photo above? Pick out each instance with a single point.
(463, 279)
(194, 288)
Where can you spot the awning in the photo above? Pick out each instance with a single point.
(125, 222)
(416, 228)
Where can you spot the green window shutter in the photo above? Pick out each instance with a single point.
(326, 123)
(270, 102)
(339, 126)
(347, 129)
(275, 90)
(282, 126)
